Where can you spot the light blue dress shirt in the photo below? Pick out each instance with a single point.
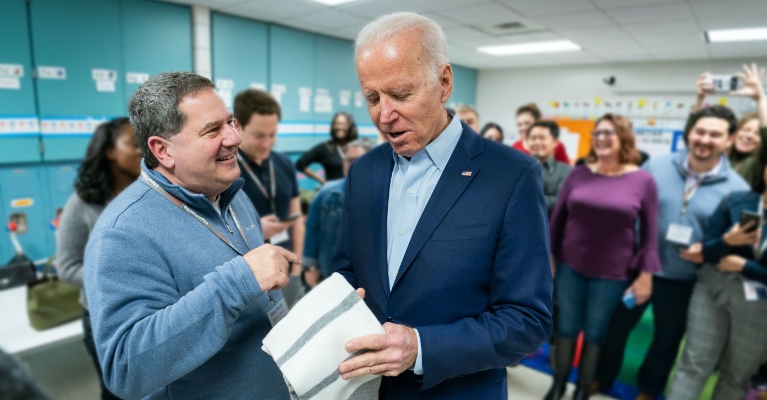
(412, 183)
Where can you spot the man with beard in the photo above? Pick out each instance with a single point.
(691, 183)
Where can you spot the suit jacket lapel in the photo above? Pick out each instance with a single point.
(451, 185)
(381, 182)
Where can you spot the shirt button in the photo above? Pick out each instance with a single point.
(402, 232)
(409, 191)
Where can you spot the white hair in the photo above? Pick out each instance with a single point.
(433, 41)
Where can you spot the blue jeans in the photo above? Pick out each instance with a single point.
(586, 303)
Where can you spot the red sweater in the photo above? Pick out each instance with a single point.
(560, 154)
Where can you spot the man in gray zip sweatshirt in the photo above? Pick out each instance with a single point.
(181, 288)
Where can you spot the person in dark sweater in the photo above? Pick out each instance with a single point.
(330, 154)
(599, 254)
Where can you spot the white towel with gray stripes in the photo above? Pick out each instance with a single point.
(308, 344)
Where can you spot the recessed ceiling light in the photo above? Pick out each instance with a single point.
(736, 35)
(530, 48)
(333, 2)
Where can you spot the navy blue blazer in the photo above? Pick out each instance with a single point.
(475, 280)
(725, 216)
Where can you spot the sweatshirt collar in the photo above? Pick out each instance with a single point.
(195, 200)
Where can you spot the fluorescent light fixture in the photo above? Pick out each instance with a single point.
(736, 35)
(530, 48)
(333, 2)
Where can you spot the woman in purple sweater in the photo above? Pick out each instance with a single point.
(600, 254)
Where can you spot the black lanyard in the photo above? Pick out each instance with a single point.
(180, 204)
(257, 181)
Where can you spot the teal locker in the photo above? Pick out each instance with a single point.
(79, 36)
(291, 67)
(19, 130)
(21, 190)
(156, 37)
(464, 86)
(59, 179)
(15, 51)
(334, 72)
(66, 35)
(240, 53)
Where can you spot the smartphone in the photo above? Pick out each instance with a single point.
(629, 300)
(291, 217)
(747, 216)
(724, 83)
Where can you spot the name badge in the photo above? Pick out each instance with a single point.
(754, 291)
(277, 311)
(279, 238)
(679, 235)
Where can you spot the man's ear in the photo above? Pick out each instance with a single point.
(161, 149)
(446, 82)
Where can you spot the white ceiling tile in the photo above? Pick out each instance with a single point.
(443, 22)
(592, 33)
(530, 37)
(328, 19)
(377, 8)
(575, 20)
(742, 21)
(215, 4)
(577, 56)
(751, 50)
(276, 9)
(652, 13)
(491, 13)
(610, 4)
(625, 57)
(467, 36)
(534, 8)
(373, 9)
(729, 8)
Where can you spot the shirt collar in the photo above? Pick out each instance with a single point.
(264, 164)
(548, 163)
(713, 172)
(442, 147)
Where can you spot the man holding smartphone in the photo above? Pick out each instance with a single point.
(691, 183)
(270, 179)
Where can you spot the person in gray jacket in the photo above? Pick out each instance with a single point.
(543, 138)
(112, 162)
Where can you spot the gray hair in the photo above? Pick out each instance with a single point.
(433, 41)
(363, 143)
(153, 107)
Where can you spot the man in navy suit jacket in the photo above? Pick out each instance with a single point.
(444, 230)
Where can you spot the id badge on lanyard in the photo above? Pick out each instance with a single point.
(277, 311)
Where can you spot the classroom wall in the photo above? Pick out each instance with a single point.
(501, 91)
(65, 71)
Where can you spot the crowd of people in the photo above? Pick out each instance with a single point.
(628, 231)
(461, 293)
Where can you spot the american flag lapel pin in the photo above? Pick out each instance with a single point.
(466, 173)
